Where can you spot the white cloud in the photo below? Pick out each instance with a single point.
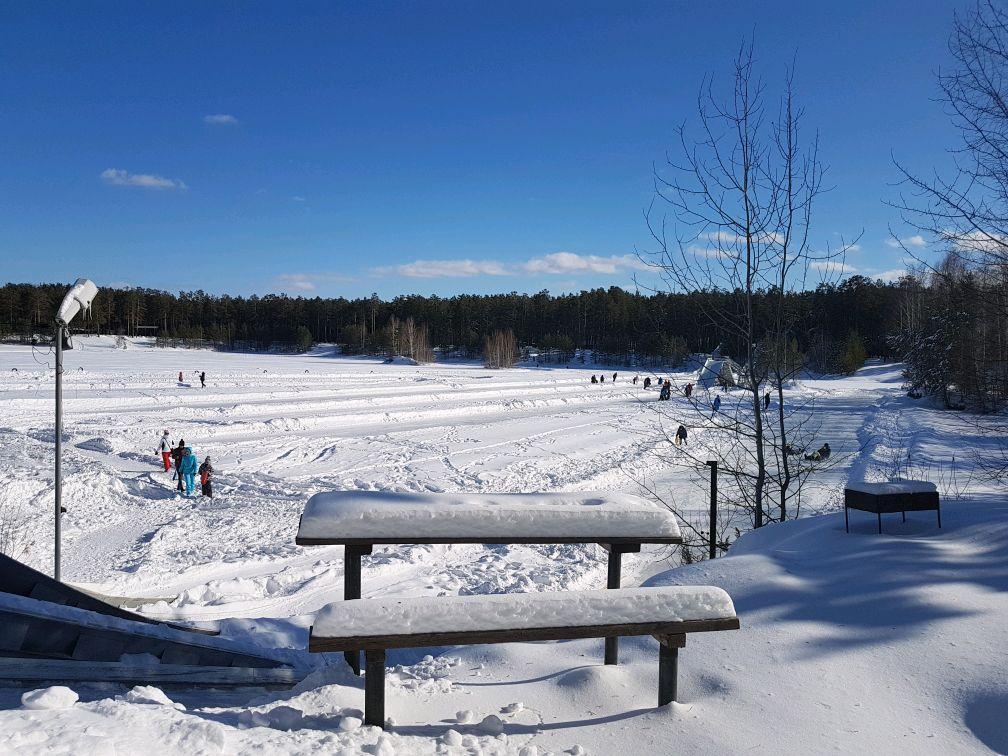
(977, 241)
(298, 198)
(220, 119)
(118, 177)
(910, 241)
(303, 282)
(570, 262)
(445, 269)
(556, 263)
(890, 276)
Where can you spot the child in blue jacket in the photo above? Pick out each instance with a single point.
(188, 469)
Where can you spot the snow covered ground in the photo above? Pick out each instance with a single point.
(849, 642)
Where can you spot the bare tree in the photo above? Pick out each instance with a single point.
(500, 350)
(965, 211)
(737, 212)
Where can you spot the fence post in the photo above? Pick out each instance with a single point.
(711, 537)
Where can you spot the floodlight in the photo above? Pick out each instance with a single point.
(80, 297)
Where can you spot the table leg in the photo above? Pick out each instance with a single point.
(668, 667)
(613, 581)
(374, 688)
(352, 590)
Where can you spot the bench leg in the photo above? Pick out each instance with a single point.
(668, 668)
(938, 510)
(846, 517)
(613, 581)
(880, 523)
(904, 516)
(352, 590)
(374, 688)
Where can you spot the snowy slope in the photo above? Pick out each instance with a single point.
(848, 643)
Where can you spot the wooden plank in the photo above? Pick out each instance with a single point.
(35, 670)
(498, 539)
(475, 637)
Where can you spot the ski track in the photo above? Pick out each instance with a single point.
(278, 434)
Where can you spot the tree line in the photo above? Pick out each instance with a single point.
(614, 323)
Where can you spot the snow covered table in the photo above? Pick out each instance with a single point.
(667, 613)
(896, 496)
(357, 520)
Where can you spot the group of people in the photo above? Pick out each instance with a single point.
(601, 378)
(187, 467)
(201, 375)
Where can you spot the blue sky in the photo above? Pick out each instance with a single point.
(436, 147)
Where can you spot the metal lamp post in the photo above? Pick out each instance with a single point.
(78, 298)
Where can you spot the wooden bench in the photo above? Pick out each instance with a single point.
(667, 613)
(885, 498)
(357, 520)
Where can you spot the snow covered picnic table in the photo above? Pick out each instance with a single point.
(668, 613)
(369, 517)
(357, 520)
(895, 496)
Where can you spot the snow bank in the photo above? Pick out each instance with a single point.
(380, 514)
(524, 610)
(56, 697)
(894, 487)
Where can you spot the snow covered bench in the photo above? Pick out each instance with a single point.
(667, 613)
(896, 496)
(357, 520)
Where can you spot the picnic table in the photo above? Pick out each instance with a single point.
(895, 496)
(358, 520)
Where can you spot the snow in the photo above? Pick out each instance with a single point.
(406, 515)
(391, 616)
(894, 487)
(849, 643)
(56, 697)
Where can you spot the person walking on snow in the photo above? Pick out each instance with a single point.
(666, 392)
(165, 448)
(594, 379)
(614, 377)
(766, 401)
(716, 406)
(680, 435)
(177, 454)
(180, 376)
(202, 379)
(189, 469)
(206, 478)
(689, 390)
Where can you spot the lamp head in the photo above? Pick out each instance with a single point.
(80, 297)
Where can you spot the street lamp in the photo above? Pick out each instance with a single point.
(78, 298)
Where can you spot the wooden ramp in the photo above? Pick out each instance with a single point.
(50, 631)
(22, 580)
